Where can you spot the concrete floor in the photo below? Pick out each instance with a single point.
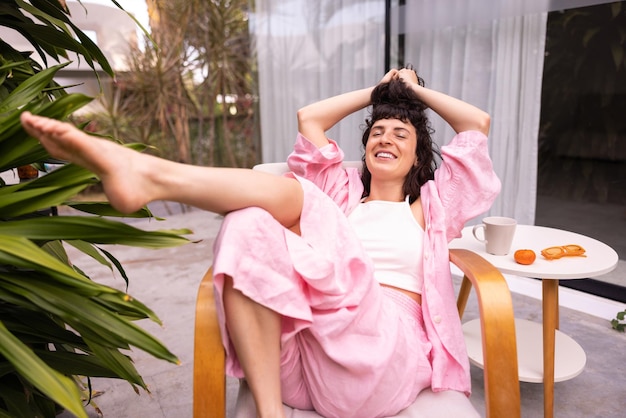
(597, 392)
(167, 281)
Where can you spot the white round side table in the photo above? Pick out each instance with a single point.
(570, 357)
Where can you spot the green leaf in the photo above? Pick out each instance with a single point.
(47, 12)
(68, 175)
(22, 253)
(91, 251)
(118, 362)
(16, 64)
(91, 319)
(16, 401)
(42, 297)
(29, 89)
(86, 48)
(132, 16)
(70, 363)
(56, 249)
(90, 229)
(105, 209)
(31, 200)
(40, 328)
(58, 387)
(117, 265)
(57, 109)
(16, 147)
(63, 106)
(4, 414)
(617, 325)
(136, 310)
(94, 252)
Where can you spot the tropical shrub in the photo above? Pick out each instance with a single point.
(57, 326)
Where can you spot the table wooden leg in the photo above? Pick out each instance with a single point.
(550, 324)
(557, 323)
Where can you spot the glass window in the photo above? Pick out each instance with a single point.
(581, 182)
(581, 138)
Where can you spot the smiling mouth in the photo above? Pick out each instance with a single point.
(383, 154)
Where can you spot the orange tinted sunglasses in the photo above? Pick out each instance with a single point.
(571, 250)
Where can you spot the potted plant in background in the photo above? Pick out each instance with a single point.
(619, 322)
(57, 327)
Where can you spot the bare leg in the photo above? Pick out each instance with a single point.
(255, 333)
(131, 179)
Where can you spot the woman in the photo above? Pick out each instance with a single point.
(334, 291)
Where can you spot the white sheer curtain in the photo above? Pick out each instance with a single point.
(310, 50)
(489, 54)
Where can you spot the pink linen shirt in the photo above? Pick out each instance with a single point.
(464, 187)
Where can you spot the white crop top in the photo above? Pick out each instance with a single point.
(394, 240)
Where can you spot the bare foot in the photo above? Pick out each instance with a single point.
(123, 172)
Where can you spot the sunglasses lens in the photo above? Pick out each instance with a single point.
(571, 250)
(552, 253)
(574, 250)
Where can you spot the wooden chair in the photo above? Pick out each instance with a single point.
(502, 391)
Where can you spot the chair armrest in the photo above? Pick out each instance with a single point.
(209, 379)
(497, 323)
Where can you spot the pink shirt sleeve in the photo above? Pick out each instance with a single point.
(322, 167)
(465, 181)
(465, 186)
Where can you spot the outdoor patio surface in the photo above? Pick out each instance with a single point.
(167, 281)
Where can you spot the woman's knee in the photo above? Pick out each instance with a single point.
(249, 225)
(250, 217)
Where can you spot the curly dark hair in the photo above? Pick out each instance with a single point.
(395, 100)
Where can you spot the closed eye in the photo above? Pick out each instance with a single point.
(398, 132)
(401, 133)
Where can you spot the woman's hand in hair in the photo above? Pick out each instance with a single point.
(391, 74)
(408, 75)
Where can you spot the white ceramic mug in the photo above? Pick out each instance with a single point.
(498, 232)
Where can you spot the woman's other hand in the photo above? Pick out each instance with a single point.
(408, 75)
(391, 74)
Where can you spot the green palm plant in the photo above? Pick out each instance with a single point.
(173, 96)
(57, 326)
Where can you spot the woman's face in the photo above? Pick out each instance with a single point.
(390, 151)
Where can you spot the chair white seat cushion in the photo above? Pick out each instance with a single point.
(428, 404)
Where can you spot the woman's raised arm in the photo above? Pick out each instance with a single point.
(461, 116)
(315, 119)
